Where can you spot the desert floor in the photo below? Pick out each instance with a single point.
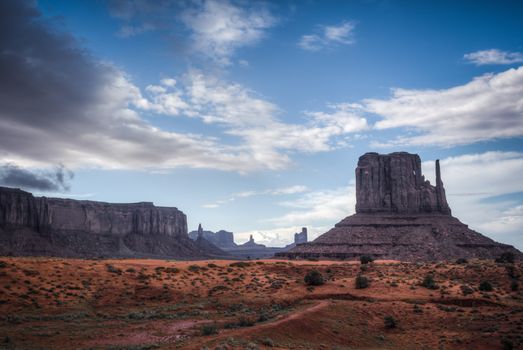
(50, 303)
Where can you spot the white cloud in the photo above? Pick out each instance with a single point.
(253, 119)
(493, 56)
(127, 31)
(318, 208)
(472, 180)
(278, 237)
(328, 37)
(220, 27)
(269, 192)
(488, 107)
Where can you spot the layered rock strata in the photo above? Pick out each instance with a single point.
(65, 227)
(399, 216)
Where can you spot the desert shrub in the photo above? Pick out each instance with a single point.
(361, 282)
(429, 283)
(485, 286)
(466, 290)
(209, 329)
(242, 322)
(267, 342)
(461, 261)
(112, 269)
(171, 270)
(218, 288)
(211, 265)
(31, 273)
(514, 286)
(240, 264)
(245, 322)
(194, 268)
(264, 316)
(312, 259)
(3, 264)
(365, 259)
(507, 257)
(390, 322)
(130, 270)
(313, 278)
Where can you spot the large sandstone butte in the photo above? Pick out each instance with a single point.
(70, 228)
(399, 216)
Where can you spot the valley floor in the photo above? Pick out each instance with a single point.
(50, 303)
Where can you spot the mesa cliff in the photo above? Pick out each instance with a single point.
(399, 216)
(65, 227)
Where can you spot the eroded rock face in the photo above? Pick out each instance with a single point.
(20, 208)
(68, 227)
(301, 237)
(393, 183)
(221, 239)
(399, 216)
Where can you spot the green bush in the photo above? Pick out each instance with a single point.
(209, 329)
(112, 269)
(240, 264)
(268, 342)
(172, 270)
(194, 268)
(390, 322)
(365, 259)
(466, 290)
(485, 286)
(429, 283)
(361, 282)
(313, 278)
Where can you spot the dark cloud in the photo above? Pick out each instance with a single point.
(60, 105)
(57, 180)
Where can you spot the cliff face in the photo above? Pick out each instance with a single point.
(394, 183)
(86, 228)
(20, 209)
(399, 216)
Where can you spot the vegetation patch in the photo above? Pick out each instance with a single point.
(361, 282)
(313, 278)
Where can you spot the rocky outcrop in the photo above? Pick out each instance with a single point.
(222, 239)
(399, 216)
(68, 227)
(301, 237)
(393, 183)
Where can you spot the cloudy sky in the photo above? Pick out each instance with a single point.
(251, 116)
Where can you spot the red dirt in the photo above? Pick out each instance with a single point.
(72, 304)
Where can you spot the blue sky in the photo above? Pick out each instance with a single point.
(250, 116)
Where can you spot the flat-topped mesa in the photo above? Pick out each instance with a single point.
(70, 228)
(19, 208)
(394, 183)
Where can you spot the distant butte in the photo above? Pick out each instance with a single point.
(41, 226)
(399, 216)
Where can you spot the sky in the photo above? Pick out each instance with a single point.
(251, 116)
